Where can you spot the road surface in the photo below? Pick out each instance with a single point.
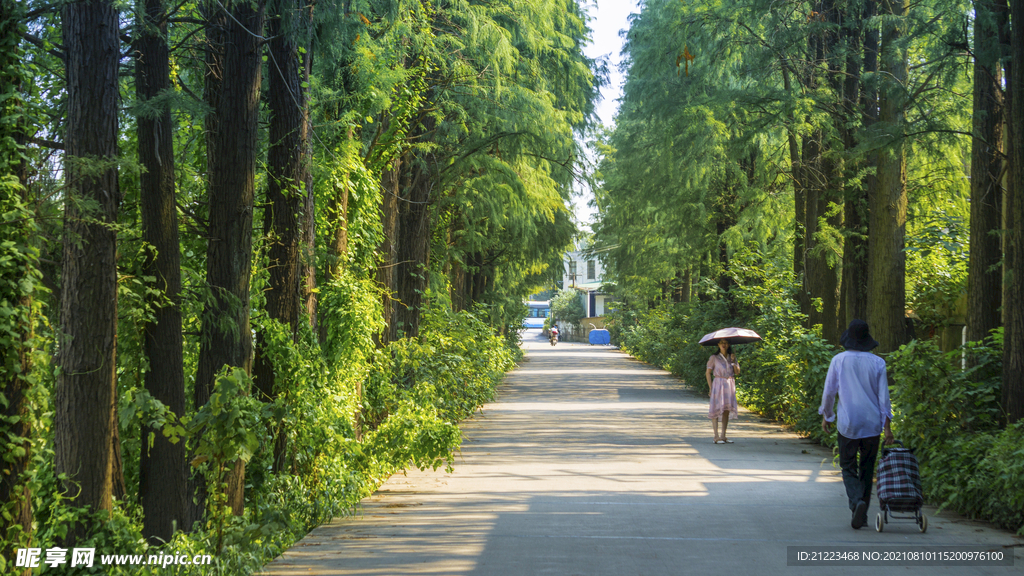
(592, 463)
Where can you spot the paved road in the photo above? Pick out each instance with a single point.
(593, 463)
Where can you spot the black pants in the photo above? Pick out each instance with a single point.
(857, 477)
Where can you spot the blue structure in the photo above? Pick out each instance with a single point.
(600, 336)
(539, 310)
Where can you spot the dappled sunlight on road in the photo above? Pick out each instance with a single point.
(589, 463)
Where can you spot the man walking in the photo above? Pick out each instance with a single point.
(864, 411)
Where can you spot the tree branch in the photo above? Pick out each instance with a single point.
(46, 143)
(38, 43)
(40, 11)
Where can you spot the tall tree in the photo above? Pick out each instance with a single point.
(233, 92)
(20, 279)
(385, 275)
(1013, 351)
(796, 177)
(163, 470)
(84, 423)
(824, 187)
(495, 188)
(412, 274)
(984, 279)
(855, 218)
(286, 213)
(888, 202)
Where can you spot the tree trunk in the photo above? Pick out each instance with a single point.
(15, 496)
(85, 390)
(338, 211)
(984, 278)
(337, 214)
(308, 250)
(681, 286)
(386, 269)
(308, 244)
(163, 470)
(216, 27)
(287, 175)
(822, 168)
(458, 286)
(858, 209)
(413, 247)
(480, 282)
(824, 277)
(16, 423)
(799, 200)
(811, 184)
(821, 279)
(234, 96)
(888, 203)
(855, 251)
(1005, 36)
(1013, 351)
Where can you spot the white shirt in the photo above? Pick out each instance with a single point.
(859, 379)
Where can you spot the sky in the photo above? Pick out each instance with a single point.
(608, 17)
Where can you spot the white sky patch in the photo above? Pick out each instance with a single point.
(608, 18)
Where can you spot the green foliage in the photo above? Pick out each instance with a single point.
(937, 399)
(413, 433)
(784, 375)
(952, 419)
(937, 259)
(455, 365)
(415, 393)
(508, 92)
(24, 342)
(224, 429)
(505, 312)
(504, 88)
(351, 311)
(568, 306)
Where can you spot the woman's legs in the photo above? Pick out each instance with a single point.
(714, 425)
(725, 423)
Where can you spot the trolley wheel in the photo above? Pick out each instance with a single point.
(879, 523)
(923, 524)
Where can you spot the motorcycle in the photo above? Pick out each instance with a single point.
(553, 336)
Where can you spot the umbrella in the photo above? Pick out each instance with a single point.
(731, 335)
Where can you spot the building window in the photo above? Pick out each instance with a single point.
(572, 271)
(591, 270)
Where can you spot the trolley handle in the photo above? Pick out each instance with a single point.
(885, 450)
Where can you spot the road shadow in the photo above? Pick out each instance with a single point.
(590, 462)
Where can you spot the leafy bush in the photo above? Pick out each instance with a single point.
(937, 258)
(952, 419)
(413, 394)
(567, 306)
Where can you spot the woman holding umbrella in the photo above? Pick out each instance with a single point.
(721, 373)
(721, 376)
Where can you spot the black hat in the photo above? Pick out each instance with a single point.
(857, 337)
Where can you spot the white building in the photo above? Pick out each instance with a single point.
(586, 275)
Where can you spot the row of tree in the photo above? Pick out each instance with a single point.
(830, 130)
(178, 177)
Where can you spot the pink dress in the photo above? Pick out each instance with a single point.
(723, 388)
